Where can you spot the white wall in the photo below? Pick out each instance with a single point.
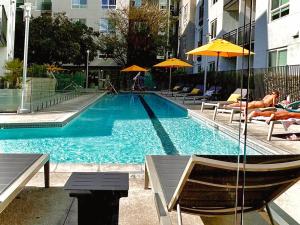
(276, 34)
(7, 52)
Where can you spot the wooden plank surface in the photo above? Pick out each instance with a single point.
(12, 166)
(98, 181)
(169, 170)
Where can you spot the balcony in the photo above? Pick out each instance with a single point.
(3, 27)
(231, 5)
(236, 36)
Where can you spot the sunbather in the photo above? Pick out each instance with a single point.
(268, 101)
(278, 115)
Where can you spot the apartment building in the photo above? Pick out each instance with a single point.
(186, 28)
(7, 31)
(93, 13)
(274, 31)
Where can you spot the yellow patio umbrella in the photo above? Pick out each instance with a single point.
(172, 63)
(220, 47)
(53, 68)
(134, 68)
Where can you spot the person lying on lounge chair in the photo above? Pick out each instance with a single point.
(268, 101)
(278, 115)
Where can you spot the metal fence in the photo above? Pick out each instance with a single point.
(285, 79)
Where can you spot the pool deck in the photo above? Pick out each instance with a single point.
(39, 206)
(56, 115)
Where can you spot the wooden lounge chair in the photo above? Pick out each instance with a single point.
(16, 170)
(206, 185)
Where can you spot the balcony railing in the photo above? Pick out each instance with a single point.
(230, 3)
(236, 36)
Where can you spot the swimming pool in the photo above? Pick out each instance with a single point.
(122, 129)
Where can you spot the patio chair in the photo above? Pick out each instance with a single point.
(262, 120)
(175, 89)
(16, 171)
(185, 90)
(234, 97)
(196, 91)
(292, 108)
(209, 94)
(206, 185)
(234, 110)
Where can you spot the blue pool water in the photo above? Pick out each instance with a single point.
(121, 129)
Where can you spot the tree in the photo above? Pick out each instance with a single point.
(13, 71)
(139, 34)
(57, 40)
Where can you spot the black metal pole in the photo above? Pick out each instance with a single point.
(246, 112)
(217, 71)
(240, 118)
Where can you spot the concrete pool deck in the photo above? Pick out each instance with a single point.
(56, 115)
(40, 206)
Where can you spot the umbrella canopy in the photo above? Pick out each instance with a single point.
(220, 47)
(173, 63)
(134, 68)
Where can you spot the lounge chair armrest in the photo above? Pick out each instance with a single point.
(164, 218)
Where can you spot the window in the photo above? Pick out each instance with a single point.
(78, 4)
(135, 3)
(211, 66)
(106, 26)
(201, 13)
(163, 4)
(185, 13)
(101, 55)
(279, 8)
(43, 5)
(214, 1)
(213, 29)
(3, 26)
(78, 20)
(278, 57)
(183, 43)
(200, 40)
(108, 4)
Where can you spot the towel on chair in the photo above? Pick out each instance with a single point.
(287, 123)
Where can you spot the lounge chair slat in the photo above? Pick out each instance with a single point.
(14, 175)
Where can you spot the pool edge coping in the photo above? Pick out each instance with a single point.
(229, 131)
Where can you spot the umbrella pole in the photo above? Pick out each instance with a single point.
(217, 71)
(170, 79)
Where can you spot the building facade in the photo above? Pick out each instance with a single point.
(274, 31)
(7, 32)
(186, 28)
(93, 13)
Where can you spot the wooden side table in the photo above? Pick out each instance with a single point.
(98, 196)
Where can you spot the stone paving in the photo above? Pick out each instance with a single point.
(38, 206)
(59, 113)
